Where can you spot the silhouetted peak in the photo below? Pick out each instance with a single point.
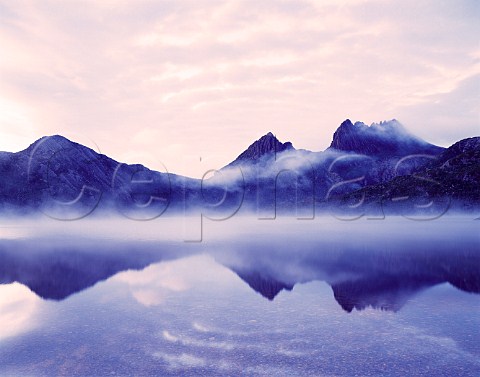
(391, 126)
(266, 144)
(346, 123)
(384, 138)
(54, 142)
(55, 139)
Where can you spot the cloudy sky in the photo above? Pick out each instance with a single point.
(165, 82)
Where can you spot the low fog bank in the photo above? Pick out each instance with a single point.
(200, 228)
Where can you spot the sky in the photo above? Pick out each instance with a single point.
(165, 83)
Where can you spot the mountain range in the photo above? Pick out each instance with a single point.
(366, 170)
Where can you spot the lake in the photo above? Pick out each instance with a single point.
(281, 297)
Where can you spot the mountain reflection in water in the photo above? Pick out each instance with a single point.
(379, 270)
(322, 297)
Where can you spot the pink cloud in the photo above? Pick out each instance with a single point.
(212, 76)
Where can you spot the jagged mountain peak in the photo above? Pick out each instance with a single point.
(347, 123)
(393, 126)
(266, 144)
(384, 138)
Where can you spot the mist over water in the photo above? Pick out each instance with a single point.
(190, 296)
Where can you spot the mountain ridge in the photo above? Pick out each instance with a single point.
(54, 171)
(384, 138)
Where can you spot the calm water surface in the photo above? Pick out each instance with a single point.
(320, 298)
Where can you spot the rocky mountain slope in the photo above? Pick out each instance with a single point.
(450, 180)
